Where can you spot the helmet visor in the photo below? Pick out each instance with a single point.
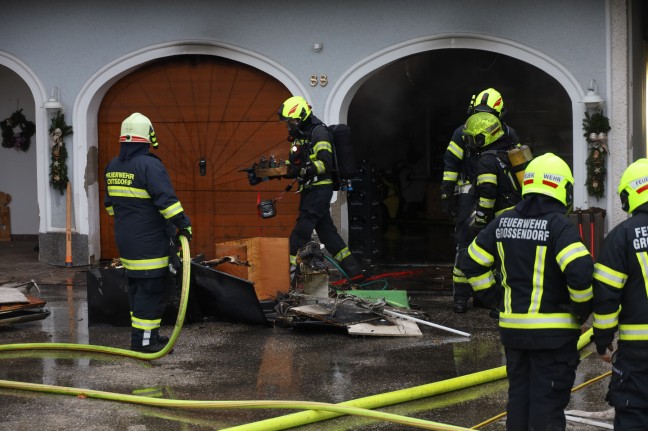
(478, 140)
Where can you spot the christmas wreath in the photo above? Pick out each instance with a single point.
(18, 140)
(58, 168)
(596, 127)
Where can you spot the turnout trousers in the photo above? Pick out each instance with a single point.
(315, 214)
(540, 383)
(147, 298)
(464, 235)
(628, 389)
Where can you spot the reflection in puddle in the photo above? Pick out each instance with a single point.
(477, 354)
(277, 373)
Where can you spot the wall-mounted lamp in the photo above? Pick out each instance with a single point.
(317, 46)
(53, 104)
(592, 100)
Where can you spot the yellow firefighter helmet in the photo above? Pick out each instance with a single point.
(551, 176)
(482, 129)
(489, 100)
(633, 187)
(294, 108)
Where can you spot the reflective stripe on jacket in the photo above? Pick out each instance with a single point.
(142, 200)
(546, 273)
(316, 149)
(621, 284)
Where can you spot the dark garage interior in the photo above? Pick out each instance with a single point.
(402, 119)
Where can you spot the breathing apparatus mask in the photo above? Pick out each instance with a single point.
(296, 112)
(295, 129)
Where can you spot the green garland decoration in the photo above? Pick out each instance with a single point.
(596, 127)
(58, 154)
(22, 139)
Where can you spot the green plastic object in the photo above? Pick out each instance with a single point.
(397, 298)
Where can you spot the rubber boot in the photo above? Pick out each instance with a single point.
(352, 269)
(162, 339)
(147, 341)
(461, 293)
(460, 305)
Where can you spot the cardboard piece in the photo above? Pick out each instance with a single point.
(269, 268)
(386, 328)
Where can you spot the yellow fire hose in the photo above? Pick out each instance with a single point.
(388, 398)
(191, 404)
(262, 404)
(314, 411)
(184, 297)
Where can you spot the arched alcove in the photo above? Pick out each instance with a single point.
(405, 101)
(87, 107)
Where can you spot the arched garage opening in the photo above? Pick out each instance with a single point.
(402, 118)
(211, 109)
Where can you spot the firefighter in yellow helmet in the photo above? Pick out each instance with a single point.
(458, 186)
(147, 214)
(311, 161)
(621, 302)
(495, 189)
(547, 293)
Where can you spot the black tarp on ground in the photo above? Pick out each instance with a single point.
(213, 295)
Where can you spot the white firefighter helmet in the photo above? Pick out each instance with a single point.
(137, 128)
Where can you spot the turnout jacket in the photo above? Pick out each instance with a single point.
(459, 161)
(546, 273)
(621, 284)
(314, 151)
(142, 200)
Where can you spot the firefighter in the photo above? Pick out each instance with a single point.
(147, 213)
(495, 189)
(457, 188)
(547, 293)
(621, 302)
(310, 162)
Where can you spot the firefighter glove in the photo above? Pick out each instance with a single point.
(607, 352)
(252, 178)
(445, 204)
(481, 220)
(307, 171)
(293, 171)
(448, 201)
(603, 342)
(186, 232)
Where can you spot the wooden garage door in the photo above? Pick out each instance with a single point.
(208, 108)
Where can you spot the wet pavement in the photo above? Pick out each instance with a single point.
(226, 361)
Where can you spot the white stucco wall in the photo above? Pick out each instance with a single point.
(618, 108)
(82, 47)
(17, 167)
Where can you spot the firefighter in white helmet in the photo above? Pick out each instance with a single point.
(147, 213)
(547, 293)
